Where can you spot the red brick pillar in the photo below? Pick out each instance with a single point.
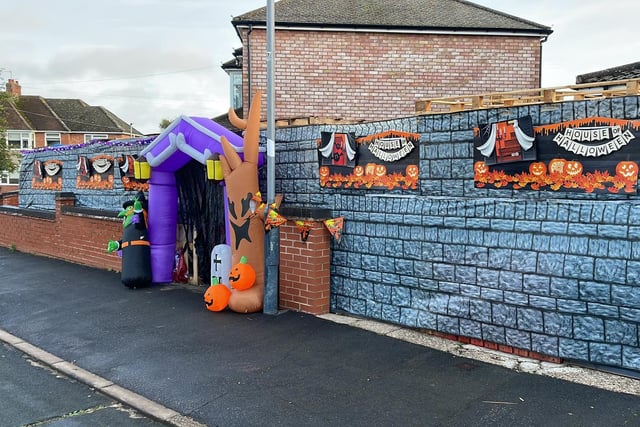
(304, 280)
(9, 199)
(64, 199)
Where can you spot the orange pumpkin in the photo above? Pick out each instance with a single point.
(380, 170)
(324, 171)
(573, 168)
(358, 171)
(627, 170)
(556, 167)
(480, 168)
(412, 171)
(537, 168)
(242, 276)
(216, 298)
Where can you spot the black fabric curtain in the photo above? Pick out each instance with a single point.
(201, 208)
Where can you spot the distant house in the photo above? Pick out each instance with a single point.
(622, 72)
(372, 59)
(34, 121)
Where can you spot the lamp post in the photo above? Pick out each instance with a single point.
(272, 239)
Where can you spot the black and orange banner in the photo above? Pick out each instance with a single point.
(588, 155)
(387, 160)
(47, 175)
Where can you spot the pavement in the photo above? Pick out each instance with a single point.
(159, 353)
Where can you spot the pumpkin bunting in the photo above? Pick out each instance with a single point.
(274, 219)
(334, 226)
(304, 227)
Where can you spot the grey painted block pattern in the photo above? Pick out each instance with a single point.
(555, 273)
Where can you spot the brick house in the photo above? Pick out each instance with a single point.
(621, 72)
(33, 122)
(365, 60)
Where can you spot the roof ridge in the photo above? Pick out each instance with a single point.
(405, 15)
(507, 15)
(55, 115)
(109, 115)
(19, 113)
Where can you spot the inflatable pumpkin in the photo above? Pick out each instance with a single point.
(216, 298)
(242, 276)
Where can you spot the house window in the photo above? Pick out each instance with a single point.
(17, 140)
(9, 178)
(52, 138)
(93, 136)
(235, 78)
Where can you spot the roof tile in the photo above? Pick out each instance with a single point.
(452, 15)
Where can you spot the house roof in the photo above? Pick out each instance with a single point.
(62, 115)
(416, 15)
(236, 62)
(223, 120)
(622, 72)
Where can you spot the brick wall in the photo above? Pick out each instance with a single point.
(304, 269)
(67, 233)
(375, 76)
(80, 235)
(38, 198)
(543, 273)
(9, 197)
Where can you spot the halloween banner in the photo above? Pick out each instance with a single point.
(47, 175)
(274, 219)
(593, 155)
(95, 173)
(335, 225)
(126, 163)
(304, 228)
(387, 160)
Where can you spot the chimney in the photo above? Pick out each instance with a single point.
(13, 88)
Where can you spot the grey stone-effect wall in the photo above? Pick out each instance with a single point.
(554, 273)
(97, 199)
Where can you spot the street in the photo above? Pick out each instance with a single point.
(31, 394)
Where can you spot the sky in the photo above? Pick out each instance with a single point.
(149, 60)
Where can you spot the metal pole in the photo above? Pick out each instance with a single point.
(272, 238)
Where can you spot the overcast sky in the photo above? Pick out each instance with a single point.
(147, 60)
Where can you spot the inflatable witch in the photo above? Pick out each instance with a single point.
(135, 247)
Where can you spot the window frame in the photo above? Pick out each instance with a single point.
(56, 135)
(25, 138)
(235, 88)
(88, 137)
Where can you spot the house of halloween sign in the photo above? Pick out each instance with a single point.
(387, 160)
(587, 155)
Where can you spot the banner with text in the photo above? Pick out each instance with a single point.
(587, 155)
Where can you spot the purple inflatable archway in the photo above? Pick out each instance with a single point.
(185, 139)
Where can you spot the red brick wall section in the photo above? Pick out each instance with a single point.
(377, 76)
(82, 239)
(305, 269)
(73, 237)
(8, 198)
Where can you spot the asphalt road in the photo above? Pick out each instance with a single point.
(32, 394)
(227, 369)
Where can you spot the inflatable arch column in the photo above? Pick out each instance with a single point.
(163, 202)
